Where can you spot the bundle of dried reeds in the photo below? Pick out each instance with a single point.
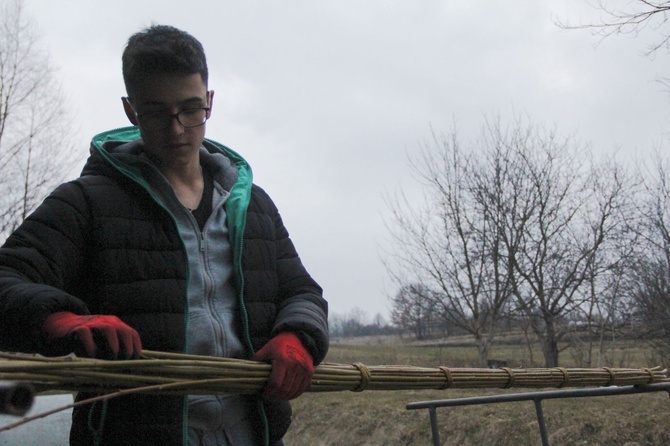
(171, 373)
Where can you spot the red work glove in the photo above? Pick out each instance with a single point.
(100, 336)
(292, 367)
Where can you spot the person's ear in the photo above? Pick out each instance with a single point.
(130, 111)
(210, 95)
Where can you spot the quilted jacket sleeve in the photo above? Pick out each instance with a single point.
(302, 308)
(40, 265)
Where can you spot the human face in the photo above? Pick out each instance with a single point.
(170, 93)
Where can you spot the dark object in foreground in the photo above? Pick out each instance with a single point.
(16, 398)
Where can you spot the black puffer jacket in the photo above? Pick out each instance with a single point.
(102, 244)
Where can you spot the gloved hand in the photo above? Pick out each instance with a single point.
(100, 336)
(292, 367)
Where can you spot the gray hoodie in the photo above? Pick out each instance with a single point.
(213, 420)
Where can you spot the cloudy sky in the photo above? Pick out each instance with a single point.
(326, 100)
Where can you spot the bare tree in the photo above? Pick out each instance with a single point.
(523, 215)
(452, 245)
(603, 308)
(632, 18)
(594, 326)
(412, 309)
(35, 152)
(573, 213)
(649, 272)
(651, 294)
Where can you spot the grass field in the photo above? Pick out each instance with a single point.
(380, 417)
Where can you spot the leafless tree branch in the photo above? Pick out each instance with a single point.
(35, 152)
(637, 16)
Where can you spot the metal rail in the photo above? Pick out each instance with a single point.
(536, 397)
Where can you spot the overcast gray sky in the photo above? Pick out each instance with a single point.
(326, 99)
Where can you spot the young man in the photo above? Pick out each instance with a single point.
(164, 243)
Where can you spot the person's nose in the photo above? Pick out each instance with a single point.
(176, 127)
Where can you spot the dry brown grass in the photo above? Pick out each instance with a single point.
(380, 417)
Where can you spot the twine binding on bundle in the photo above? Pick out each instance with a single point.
(178, 374)
(173, 373)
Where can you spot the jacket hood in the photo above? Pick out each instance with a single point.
(122, 151)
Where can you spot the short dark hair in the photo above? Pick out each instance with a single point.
(161, 49)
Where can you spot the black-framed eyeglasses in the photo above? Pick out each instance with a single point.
(160, 120)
